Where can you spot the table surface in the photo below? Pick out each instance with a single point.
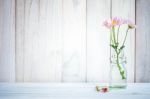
(71, 91)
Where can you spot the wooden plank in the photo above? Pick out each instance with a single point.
(7, 40)
(98, 49)
(39, 52)
(71, 91)
(76, 89)
(20, 32)
(126, 9)
(74, 41)
(142, 41)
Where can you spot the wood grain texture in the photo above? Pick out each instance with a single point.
(98, 49)
(126, 9)
(39, 45)
(71, 91)
(7, 40)
(64, 40)
(74, 41)
(142, 41)
(20, 32)
(39, 38)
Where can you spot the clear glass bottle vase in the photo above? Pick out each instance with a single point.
(118, 72)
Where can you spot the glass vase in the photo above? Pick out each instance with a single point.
(118, 72)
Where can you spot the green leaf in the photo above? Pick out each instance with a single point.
(121, 47)
(113, 46)
(117, 44)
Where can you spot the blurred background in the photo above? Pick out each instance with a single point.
(64, 40)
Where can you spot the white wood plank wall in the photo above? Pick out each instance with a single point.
(74, 41)
(38, 40)
(143, 41)
(62, 40)
(98, 49)
(7, 40)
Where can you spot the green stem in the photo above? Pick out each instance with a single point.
(122, 73)
(125, 37)
(118, 33)
(113, 29)
(111, 38)
(115, 43)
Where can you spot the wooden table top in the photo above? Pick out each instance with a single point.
(71, 91)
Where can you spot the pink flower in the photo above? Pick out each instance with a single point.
(116, 21)
(104, 90)
(131, 25)
(107, 24)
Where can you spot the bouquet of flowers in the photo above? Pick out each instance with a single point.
(118, 44)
